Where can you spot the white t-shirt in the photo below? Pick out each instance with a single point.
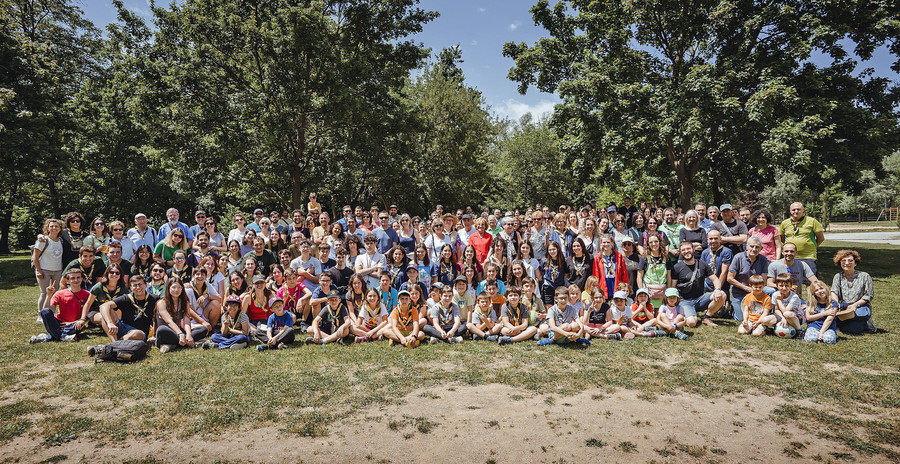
(365, 261)
(236, 234)
(616, 314)
(51, 256)
(434, 245)
(312, 266)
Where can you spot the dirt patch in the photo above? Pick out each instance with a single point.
(496, 423)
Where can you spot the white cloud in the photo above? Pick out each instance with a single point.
(513, 26)
(514, 109)
(481, 10)
(473, 42)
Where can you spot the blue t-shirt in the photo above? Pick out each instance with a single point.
(743, 269)
(722, 256)
(276, 322)
(818, 308)
(389, 297)
(386, 239)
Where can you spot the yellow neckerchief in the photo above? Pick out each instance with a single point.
(289, 298)
(579, 265)
(110, 297)
(372, 320)
(142, 309)
(442, 317)
(333, 315)
(236, 320)
(518, 312)
(609, 265)
(482, 316)
(404, 321)
(199, 293)
(88, 273)
(256, 302)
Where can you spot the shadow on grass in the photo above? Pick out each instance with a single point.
(879, 260)
(15, 270)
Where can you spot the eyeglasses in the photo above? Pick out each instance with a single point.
(117, 229)
(115, 273)
(383, 218)
(178, 235)
(99, 224)
(156, 270)
(74, 220)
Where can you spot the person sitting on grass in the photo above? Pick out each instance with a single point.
(387, 293)
(513, 317)
(204, 298)
(786, 304)
(371, 318)
(404, 320)
(279, 331)
(175, 319)
(255, 303)
(670, 316)
(295, 295)
(482, 323)
(444, 322)
(564, 321)
(129, 317)
(111, 286)
(575, 298)
(821, 323)
(71, 317)
(320, 295)
(644, 320)
(235, 333)
(463, 298)
(597, 320)
(493, 289)
(332, 323)
(537, 312)
(621, 314)
(756, 309)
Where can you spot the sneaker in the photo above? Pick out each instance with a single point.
(213, 345)
(339, 341)
(70, 338)
(648, 333)
(628, 336)
(492, 338)
(680, 335)
(391, 342)
(263, 347)
(359, 339)
(413, 343)
(280, 346)
(310, 341)
(206, 345)
(536, 337)
(455, 340)
(614, 336)
(504, 340)
(476, 338)
(40, 338)
(660, 333)
(151, 341)
(166, 348)
(545, 341)
(304, 327)
(870, 326)
(800, 334)
(433, 340)
(583, 342)
(238, 346)
(93, 350)
(39, 320)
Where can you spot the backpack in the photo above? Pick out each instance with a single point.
(123, 351)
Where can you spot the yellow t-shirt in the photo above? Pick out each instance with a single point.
(803, 234)
(313, 207)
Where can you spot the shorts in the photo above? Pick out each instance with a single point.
(91, 314)
(124, 329)
(691, 306)
(405, 333)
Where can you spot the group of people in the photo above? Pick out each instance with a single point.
(565, 276)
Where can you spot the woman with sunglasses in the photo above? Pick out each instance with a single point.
(73, 236)
(117, 230)
(165, 250)
(112, 286)
(407, 235)
(181, 268)
(240, 228)
(367, 224)
(99, 236)
(436, 240)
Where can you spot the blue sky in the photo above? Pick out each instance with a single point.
(480, 28)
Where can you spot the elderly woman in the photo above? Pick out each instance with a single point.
(853, 291)
(692, 232)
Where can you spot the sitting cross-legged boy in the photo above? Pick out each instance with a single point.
(444, 323)
(235, 331)
(513, 317)
(279, 330)
(404, 320)
(332, 323)
(565, 326)
(756, 309)
(482, 322)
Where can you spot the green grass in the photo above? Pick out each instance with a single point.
(304, 390)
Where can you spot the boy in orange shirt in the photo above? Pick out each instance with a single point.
(404, 323)
(756, 309)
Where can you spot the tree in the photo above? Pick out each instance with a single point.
(249, 100)
(716, 89)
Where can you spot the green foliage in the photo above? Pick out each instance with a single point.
(713, 95)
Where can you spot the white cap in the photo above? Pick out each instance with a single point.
(139, 215)
(620, 295)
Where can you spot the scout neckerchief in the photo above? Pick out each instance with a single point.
(256, 301)
(372, 320)
(405, 321)
(199, 293)
(88, 272)
(141, 308)
(517, 315)
(578, 265)
(553, 269)
(333, 316)
(142, 234)
(796, 225)
(180, 274)
(395, 274)
(142, 269)
(290, 300)
(447, 269)
(657, 260)
(444, 318)
(236, 321)
(713, 255)
(609, 264)
(80, 238)
(482, 316)
(110, 296)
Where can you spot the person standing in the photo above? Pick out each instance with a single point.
(733, 231)
(47, 258)
(141, 233)
(173, 223)
(804, 232)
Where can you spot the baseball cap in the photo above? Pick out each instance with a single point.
(257, 210)
(620, 295)
(627, 239)
(233, 299)
(258, 278)
(403, 292)
(466, 216)
(412, 266)
(642, 290)
(460, 278)
(725, 206)
(437, 285)
(139, 215)
(333, 293)
(275, 300)
(673, 292)
(611, 209)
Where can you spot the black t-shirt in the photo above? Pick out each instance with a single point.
(330, 322)
(340, 277)
(91, 273)
(580, 269)
(136, 313)
(598, 317)
(263, 262)
(695, 236)
(682, 274)
(734, 228)
(330, 263)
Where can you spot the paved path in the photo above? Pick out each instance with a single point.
(891, 238)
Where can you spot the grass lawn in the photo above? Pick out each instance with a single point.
(53, 394)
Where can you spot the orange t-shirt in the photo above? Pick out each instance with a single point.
(642, 316)
(756, 306)
(404, 323)
(497, 302)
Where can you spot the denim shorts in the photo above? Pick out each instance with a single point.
(124, 329)
(691, 306)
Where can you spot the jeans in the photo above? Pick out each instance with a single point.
(225, 343)
(54, 327)
(737, 309)
(43, 283)
(812, 335)
(691, 306)
(859, 323)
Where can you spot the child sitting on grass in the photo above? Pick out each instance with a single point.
(621, 314)
(587, 296)
(671, 316)
(787, 304)
(644, 318)
(235, 333)
(513, 317)
(597, 320)
(537, 313)
(482, 323)
(821, 323)
(371, 320)
(756, 308)
(404, 320)
(332, 323)
(575, 298)
(444, 323)
(564, 323)
(279, 331)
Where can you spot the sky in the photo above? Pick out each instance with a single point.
(480, 28)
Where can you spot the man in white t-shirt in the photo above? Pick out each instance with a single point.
(371, 264)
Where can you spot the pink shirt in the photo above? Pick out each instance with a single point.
(767, 236)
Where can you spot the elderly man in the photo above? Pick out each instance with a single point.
(462, 237)
(805, 233)
(744, 265)
(734, 232)
(172, 223)
(141, 233)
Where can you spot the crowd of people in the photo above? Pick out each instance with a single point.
(557, 277)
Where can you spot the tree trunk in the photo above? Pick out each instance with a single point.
(5, 223)
(54, 197)
(297, 188)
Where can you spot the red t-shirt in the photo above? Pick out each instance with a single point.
(482, 244)
(70, 304)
